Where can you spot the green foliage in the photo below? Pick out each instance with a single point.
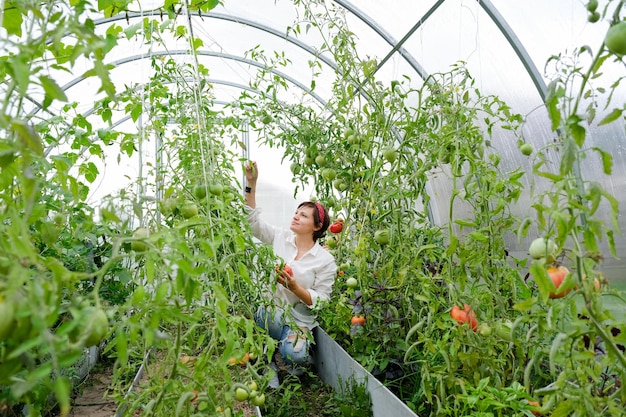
(191, 289)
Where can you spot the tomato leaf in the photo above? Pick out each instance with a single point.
(52, 89)
(465, 223)
(553, 93)
(525, 305)
(184, 401)
(542, 279)
(479, 236)
(578, 132)
(607, 160)
(197, 43)
(549, 175)
(12, 20)
(591, 241)
(555, 349)
(614, 115)
(564, 409)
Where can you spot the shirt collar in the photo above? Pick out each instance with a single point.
(313, 251)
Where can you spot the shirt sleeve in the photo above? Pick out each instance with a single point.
(262, 230)
(323, 285)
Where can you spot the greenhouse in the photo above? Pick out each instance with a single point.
(312, 208)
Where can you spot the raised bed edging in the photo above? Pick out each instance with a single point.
(335, 365)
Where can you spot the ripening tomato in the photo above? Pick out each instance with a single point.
(557, 275)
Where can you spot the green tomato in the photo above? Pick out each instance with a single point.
(241, 394)
(329, 174)
(252, 385)
(320, 160)
(97, 326)
(593, 17)
(267, 118)
(189, 210)
(259, 400)
(526, 149)
(390, 154)
(295, 168)
(216, 189)
(199, 191)
(140, 245)
(592, 5)
(352, 282)
(382, 236)
(340, 184)
(59, 219)
(168, 206)
(484, 329)
(543, 248)
(615, 38)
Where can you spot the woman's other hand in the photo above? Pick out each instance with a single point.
(252, 172)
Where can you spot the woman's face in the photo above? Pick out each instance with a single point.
(303, 221)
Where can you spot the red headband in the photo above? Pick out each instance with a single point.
(320, 211)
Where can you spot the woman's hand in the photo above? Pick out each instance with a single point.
(252, 172)
(287, 280)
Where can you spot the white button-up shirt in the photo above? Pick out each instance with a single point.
(315, 270)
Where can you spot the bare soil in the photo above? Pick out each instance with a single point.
(92, 400)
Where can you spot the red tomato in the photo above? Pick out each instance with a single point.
(459, 315)
(336, 227)
(286, 269)
(358, 320)
(471, 317)
(466, 315)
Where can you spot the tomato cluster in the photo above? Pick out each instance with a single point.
(466, 315)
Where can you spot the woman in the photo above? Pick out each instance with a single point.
(291, 313)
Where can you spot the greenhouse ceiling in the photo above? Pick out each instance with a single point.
(511, 50)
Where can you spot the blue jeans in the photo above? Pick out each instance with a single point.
(293, 346)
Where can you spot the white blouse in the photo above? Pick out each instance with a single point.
(315, 270)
